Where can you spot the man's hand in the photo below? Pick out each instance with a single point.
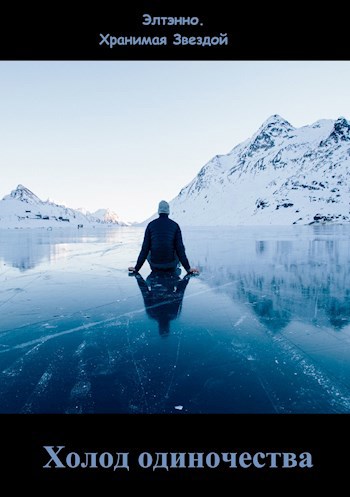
(132, 269)
(193, 270)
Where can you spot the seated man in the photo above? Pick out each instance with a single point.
(163, 245)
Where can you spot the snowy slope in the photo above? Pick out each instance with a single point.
(104, 216)
(107, 216)
(282, 175)
(23, 209)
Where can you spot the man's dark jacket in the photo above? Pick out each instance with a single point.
(163, 239)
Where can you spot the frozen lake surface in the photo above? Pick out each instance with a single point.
(265, 328)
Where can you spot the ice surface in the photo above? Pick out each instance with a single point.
(264, 328)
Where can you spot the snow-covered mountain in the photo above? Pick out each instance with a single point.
(281, 175)
(22, 208)
(105, 216)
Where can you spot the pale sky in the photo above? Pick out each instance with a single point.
(125, 135)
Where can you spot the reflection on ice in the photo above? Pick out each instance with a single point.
(162, 294)
(264, 328)
(304, 277)
(25, 249)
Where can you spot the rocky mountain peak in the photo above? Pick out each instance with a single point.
(275, 125)
(339, 133)
(24, 194)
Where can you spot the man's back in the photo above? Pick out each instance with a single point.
(163, 245)
(163, 232)
(163, 242)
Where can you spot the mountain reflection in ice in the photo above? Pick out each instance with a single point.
(25, 249)
(305, 276)
(264, 328)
